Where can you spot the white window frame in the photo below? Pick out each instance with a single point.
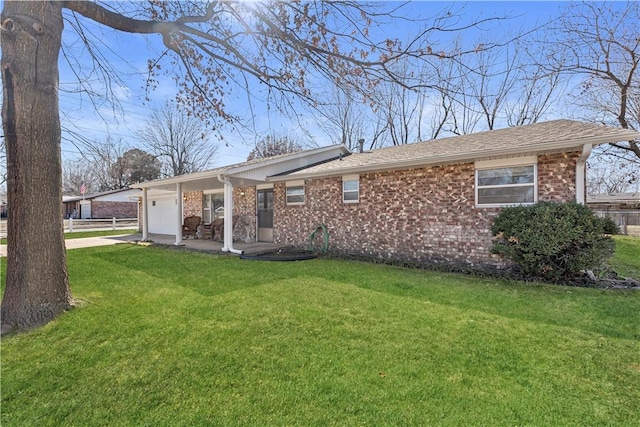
(294, 185)
(503, 164)
(351, 178)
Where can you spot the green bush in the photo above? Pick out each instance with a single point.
(610, 226)
(553, 241)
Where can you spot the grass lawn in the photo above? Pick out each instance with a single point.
(626, 261)
(172, 338)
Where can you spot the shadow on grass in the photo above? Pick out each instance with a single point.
(125, 268)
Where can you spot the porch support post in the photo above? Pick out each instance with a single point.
(227, 245)
(178, 214)
(581, 191)
(145, 215)
(228, 216)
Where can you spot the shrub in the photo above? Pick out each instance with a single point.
(552, 241)
(610, 226)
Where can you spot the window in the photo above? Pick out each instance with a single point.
(295, 193)
(506, 183)
(212, 207)
(350, 189)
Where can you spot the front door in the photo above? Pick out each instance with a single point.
(265, 215)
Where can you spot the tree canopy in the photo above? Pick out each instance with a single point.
(213, 48)
(273, 145)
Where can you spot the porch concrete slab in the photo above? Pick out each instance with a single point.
(207, 245)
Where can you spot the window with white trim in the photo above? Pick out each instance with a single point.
(502, 183)
(295, 193)
(350, 189)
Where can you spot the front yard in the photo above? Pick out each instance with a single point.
(166, 337)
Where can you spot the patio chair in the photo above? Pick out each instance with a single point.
(190, 226)
(218, 227)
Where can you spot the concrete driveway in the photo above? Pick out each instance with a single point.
(163, 239)
(89, 242)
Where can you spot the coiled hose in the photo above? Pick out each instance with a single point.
(325, 235)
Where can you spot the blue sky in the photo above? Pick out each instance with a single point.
(129, 54)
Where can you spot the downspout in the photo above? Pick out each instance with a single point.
(145, 215)
(581, 166)
(228, 215)
(178, 241)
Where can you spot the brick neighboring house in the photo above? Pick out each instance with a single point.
(121, 203)
(432, 201)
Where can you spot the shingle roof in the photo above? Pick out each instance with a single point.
(550, 136)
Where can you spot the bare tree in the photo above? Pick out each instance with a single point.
(180, 141)
(109, 166)
(347, 118)
(273, 145)
(598, 43)
(401, 108)
(74, 175)
(504, 86)
(612, 177)
(212, 48)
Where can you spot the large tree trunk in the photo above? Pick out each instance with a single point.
(37, 286)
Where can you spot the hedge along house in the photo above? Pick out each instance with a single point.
(431, 202)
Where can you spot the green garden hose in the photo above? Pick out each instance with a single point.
(325, 234)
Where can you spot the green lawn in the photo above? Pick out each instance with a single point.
(172, 338)
(626, 260)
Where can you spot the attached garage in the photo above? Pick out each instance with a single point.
(162, 214)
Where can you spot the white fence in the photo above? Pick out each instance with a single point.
(628, 220)
(71, 225)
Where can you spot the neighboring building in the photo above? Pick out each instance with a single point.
(614, 201)
(622, 208)
(432, 201)
(121, 203)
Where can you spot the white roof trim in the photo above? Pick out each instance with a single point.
(240, 168)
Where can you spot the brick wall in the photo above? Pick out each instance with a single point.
(557, 177)
(102, 209)
(244, 205)
(192, 204)
(425, 215)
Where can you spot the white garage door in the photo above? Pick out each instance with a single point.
(162, 215)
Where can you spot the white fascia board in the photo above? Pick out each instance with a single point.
(196, 176)
(230, 171)
(282, 159)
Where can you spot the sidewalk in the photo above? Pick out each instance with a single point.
(163, 239)
(89, 242)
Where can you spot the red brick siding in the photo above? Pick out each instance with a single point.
(425, 214)
(557, 177)
(102, 209)
(244, 206)
(192, 204)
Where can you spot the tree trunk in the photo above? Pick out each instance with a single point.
(37, 285)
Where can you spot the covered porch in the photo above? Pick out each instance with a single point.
(164, 209)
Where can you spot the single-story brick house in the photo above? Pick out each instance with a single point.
(431, 201)
(122, 203)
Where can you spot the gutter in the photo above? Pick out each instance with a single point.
(581, 166)
(228, 216)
